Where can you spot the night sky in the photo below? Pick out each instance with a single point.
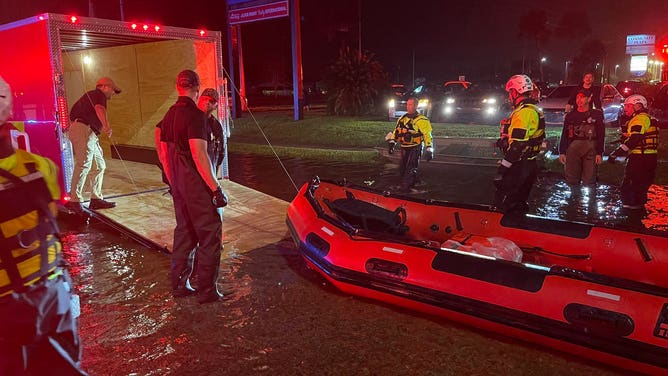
(435, 39)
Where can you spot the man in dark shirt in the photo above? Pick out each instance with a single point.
(181, 142)
(88, 119)
(582, 141)
(587, 86)
(208, 103)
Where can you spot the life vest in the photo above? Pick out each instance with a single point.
(641, 123)
(585, 130)
(30, 248)
(522, 132)
(408, 132)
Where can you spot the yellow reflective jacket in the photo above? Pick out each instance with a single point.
(526, 132)
(29, 245)
(641, 135)
(411, 132)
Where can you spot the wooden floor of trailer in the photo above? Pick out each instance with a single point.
(145, 209)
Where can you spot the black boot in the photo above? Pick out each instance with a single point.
(208, 285)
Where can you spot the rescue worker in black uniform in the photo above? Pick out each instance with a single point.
(525, 133)
(412, 132)
(181, 141)
(38, 332)
(582, 142)
(640, 140)
(208, 103)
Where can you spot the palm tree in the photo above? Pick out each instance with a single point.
(354, 82)
(533, 27)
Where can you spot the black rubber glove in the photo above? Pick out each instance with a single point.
(219, 198)
(429, 153)
(391, 144)
(619, 152)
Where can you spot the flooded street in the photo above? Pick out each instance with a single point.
(280, 318)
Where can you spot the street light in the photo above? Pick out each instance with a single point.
(542, 60)
(616, 67)
(566, 72)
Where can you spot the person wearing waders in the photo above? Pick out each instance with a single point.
(181, 141)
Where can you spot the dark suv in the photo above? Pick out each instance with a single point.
(630, 87)
(659, 106)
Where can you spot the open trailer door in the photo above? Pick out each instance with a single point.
(51, 60)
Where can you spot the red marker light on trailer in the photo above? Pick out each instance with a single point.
(157, 28)
(145, 27)
(201, 33)
(133, 26)
(41, 18)
(74, 19)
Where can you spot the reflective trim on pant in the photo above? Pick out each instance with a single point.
(638, 176)
(86, 147)
(38, 335)
(580, 163)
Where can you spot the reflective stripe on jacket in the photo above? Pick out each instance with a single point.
(411, 132)
(641, 135)
(526, 132)
(30, 249)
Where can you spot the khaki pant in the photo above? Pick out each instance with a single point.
(87, 149)
(581, 163)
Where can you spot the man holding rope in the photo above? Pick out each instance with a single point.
(88, 119)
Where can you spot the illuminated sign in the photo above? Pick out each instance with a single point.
(258, 13)
(638, 64)
(640, 44)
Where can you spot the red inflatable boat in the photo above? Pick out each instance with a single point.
(593, 291)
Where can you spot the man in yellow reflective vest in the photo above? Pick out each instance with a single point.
(640, 140)
(38, 334)
(518, 170)
(412, 132)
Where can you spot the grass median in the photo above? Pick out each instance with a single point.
(353, 139)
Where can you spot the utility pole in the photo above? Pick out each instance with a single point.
(359, 30)
(91, 9)
(120, 5)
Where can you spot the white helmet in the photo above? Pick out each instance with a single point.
(520, 82)
(636, 99)
(5, 101)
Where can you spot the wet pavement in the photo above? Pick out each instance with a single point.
(281, 318)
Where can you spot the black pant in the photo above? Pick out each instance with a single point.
(638, 176)
(514, 188)
(198, 228)
(38, 334)
(408, 166)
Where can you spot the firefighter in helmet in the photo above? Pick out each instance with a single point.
(525, 134)
(412, 133)
(38, 334)
(640, 141)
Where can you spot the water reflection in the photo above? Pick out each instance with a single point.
(551, 197)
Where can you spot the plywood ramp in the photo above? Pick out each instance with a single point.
(143, 205)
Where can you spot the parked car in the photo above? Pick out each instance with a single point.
(481, 103)
(430, 98)
(630, 87)
(659, 106)
(554, 105)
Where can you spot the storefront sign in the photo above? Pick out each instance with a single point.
(258, 13)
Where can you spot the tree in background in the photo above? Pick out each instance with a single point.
(534, 28)
(591, 53)
(355, 83)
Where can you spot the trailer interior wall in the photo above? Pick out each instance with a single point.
(147, 74)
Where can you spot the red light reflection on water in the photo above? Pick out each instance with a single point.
(657, 208)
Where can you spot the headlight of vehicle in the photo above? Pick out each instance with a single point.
(450, 100)
(423, 103)
(489, 100)
(390, 104)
